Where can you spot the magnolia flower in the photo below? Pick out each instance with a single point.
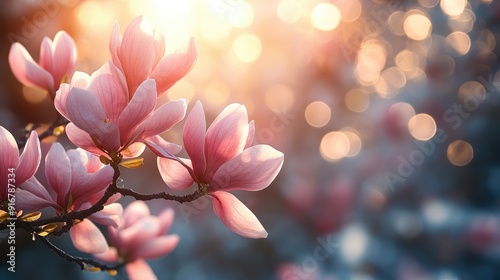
(57, 62)
(222, 160)
(105, 120)
(140, 237)
(23, 167)
(76, 180)
(139, 54)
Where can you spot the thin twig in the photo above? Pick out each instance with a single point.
(60, 120)
(82, 262)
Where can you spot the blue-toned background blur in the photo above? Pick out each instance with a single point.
(388, 113)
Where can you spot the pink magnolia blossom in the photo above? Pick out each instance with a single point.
(24, 166)
(76, 180)
(141, 236)
(223, 160)
(106, 120)
(57, 61)
(140, 54)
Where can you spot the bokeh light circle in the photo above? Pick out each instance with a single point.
(417, 26)
(317, 114)
(422, 127)
(459, 152)
(325, 16)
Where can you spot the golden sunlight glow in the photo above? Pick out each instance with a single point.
(247, 47)
(279, 98)
(92, 15)
(289, 11)
(325, 16)
(334, 146)
(217, 93)
(176, 19)
(453, 7)
(416, 25)
(241, 15)
(181, 89)
(350, 10)
(459, 42)
(317, 114)
(215, 33)
(357, 100)
(422, 127)
(460, 153)
(34, 95)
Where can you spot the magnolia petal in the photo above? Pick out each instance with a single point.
(226, 137)
(60, 99)
(139, 270)
(252, 170)
(64, 57)
(137, 53)
(28, 202)
(31, 196)
(86, 112)
(164, 118)
(27, 71)
(91, 162)
(194, 139)
(91, 186)
(161, 147)
(10, 158)
(58, 172)
(80, 79)
(251, 134)
(138, 109)
(134, 150)
(159, 45)
(166, 218)
(174, 66)
(109, 216)
(35, 187)
(156, 247)
(111, 255)
(46, 54)
(106, 84)
(115, 42)
(113, 198)
(174, 174)
(140, 231)
(236, 216)
(82, 139)
(29, 159)
(134, 212)
(88, 238)
(77, 159)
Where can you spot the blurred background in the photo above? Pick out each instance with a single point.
(388, 113)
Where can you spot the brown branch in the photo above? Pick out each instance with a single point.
(84, 263)
(163, 195)
(60, 120)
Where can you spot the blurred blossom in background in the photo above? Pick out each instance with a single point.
(388, 113)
